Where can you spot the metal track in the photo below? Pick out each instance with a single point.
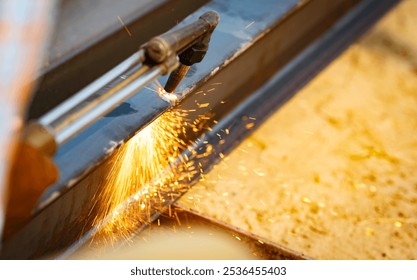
(182, 220)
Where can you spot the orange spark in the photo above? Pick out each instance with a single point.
(146, 174)
(124, 26)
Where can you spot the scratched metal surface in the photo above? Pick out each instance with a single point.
(267, 52)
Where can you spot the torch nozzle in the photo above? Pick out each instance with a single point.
(176, 77)
(200, 31)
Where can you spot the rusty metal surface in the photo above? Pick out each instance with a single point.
(270, 47)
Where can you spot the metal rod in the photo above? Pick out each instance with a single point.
(86, 105)
(92, 88)
(102, 107)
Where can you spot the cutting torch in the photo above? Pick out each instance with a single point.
(172, 52)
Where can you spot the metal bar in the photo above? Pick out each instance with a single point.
(52, 116)
(260, 247)
(184, 220)
(105, 105)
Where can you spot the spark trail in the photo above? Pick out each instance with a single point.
(145, 174)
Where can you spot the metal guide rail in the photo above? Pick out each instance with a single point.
(180, 220)
(256, 61)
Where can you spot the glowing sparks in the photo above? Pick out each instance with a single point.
(204, 105)
(154, 168)
(171, 98)
(124, 26)
(139, 172)
(250, 125)
(249, 25)
(148, 173)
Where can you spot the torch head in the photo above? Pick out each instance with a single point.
(196, 51)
